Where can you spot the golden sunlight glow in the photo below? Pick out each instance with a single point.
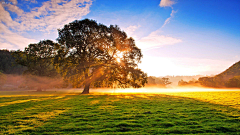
(119, 56)
(161, 66)
(118, 60)
(154, 66)
(156, 90)
(216, 96)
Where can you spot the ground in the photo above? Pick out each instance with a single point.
(61, 112)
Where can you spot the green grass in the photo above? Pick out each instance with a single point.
(115, 114)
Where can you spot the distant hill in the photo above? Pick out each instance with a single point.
(228, 78)
(8, 64)
(232, 71)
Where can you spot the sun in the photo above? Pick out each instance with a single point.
(119, 56)
(118, 60)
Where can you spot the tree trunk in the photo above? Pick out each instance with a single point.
(39, 89)
(86, 88)
(87, 83)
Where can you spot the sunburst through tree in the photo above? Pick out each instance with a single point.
(93, 54)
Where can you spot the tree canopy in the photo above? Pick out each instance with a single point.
(38, 58)
(93, 54)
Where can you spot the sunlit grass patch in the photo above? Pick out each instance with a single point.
(94, 102)
(228, 98)
(15, 102)
(28, 123)
(28, 100)
(26, 116)
(142, 96)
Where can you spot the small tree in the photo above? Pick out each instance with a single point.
(182, 83)
(151, 80)
(164, 82)
(39, 60)
(93, 54)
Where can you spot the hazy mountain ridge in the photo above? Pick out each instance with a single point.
(231, 72)
(228, 78)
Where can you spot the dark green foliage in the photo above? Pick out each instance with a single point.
(228, 78)
(38, 58)
(116, 114)
(8, 64)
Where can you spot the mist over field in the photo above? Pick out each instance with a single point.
(19, 82)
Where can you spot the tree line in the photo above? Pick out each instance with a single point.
(158, 81)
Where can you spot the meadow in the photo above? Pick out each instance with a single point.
(54, 112)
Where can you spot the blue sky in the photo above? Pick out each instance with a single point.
(177, 37)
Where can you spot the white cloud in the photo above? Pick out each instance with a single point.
(49, 17)
(156, 40)
(54, 14)
(166, 3)
(14, 2)
(169, 18)
(131, 29)
(32, 1)
(11, 40)
(6, 18)
(15, 9)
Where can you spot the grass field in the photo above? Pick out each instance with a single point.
(169, 113)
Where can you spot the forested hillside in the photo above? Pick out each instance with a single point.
(231, 72)
(228, 78)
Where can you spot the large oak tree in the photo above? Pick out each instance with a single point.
(92, 54)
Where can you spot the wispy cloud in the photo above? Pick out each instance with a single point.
(14, 2)
(131, 29)
(14, 9)
(155, 39)
(54, 14)
(32, 1)
(169, 18)
(11, 40)
(46, 19)
(166, 3)
(6, 18)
